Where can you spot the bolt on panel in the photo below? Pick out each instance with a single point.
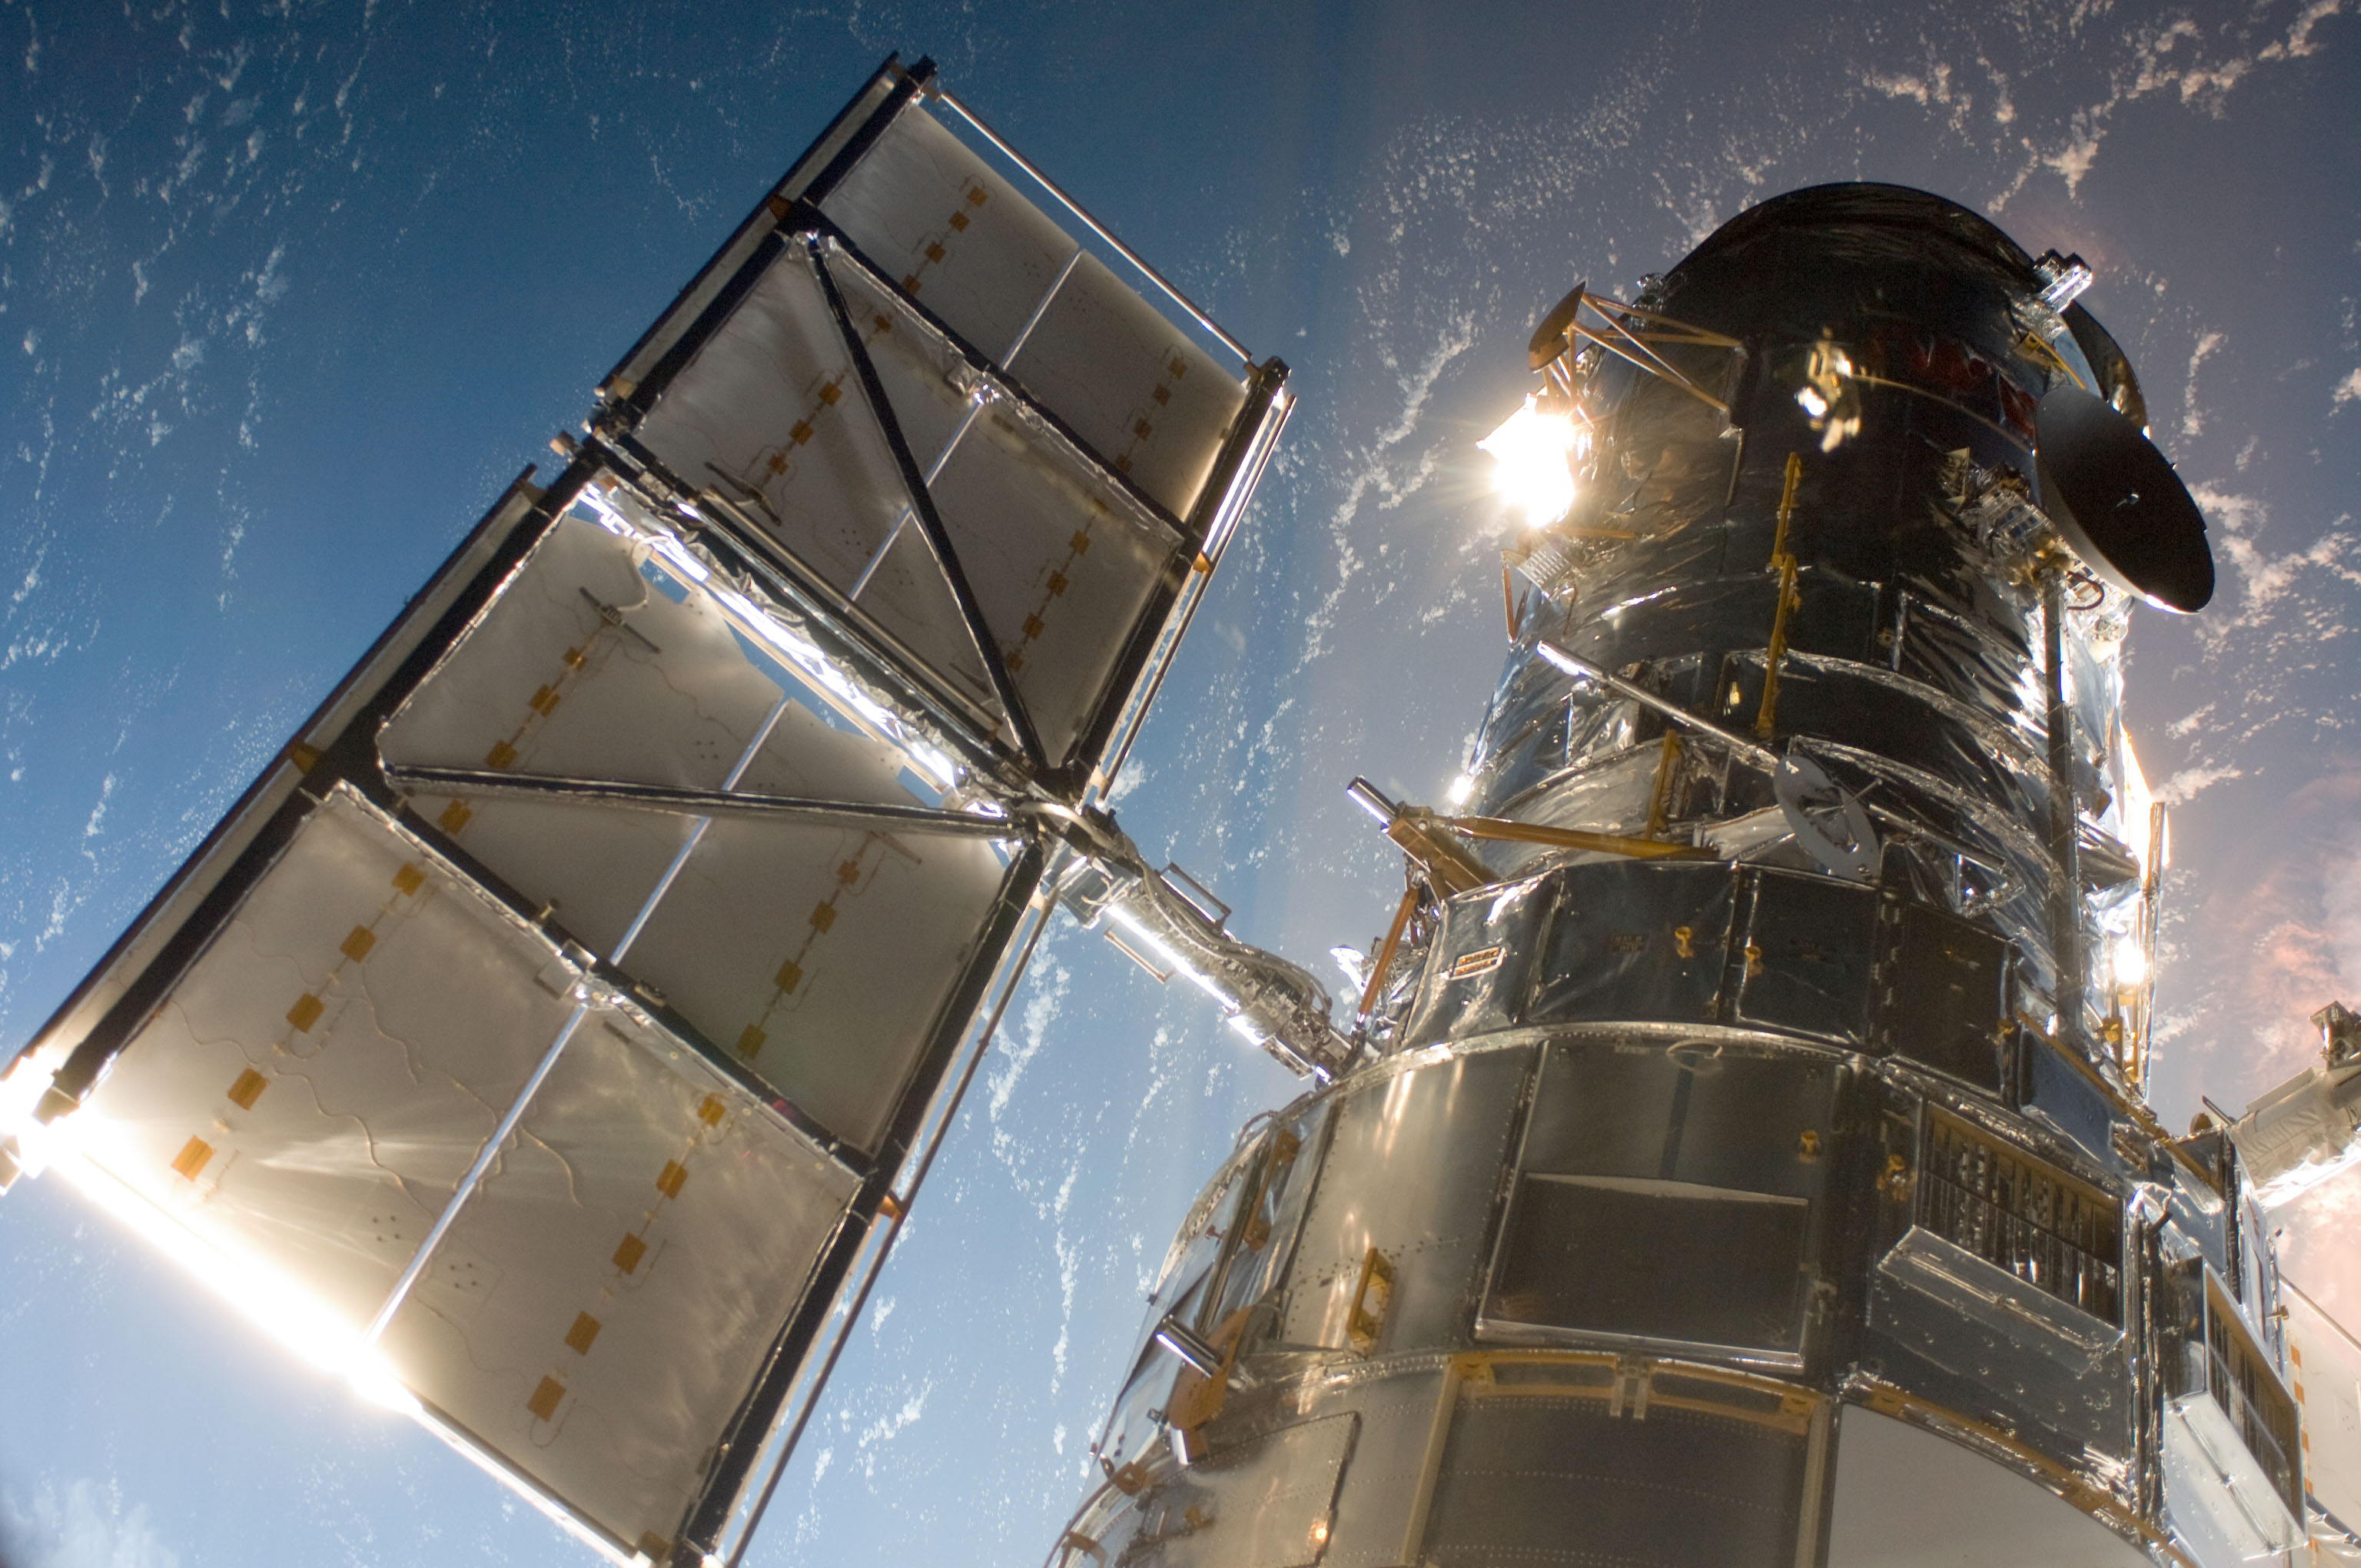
(1809, 949)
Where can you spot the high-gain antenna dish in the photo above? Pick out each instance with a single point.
(2119, 504)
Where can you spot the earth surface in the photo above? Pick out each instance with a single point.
(287, 291)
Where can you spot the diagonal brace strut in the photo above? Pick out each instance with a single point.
(930, 522)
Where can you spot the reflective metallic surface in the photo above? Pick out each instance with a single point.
(1748, 1160)
(2303, 1132)
(1265, 999)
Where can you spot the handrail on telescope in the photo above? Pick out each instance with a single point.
(1510, 830)
(1661, 367)
(1096, 227)
(1565, 322)
(1690, 331)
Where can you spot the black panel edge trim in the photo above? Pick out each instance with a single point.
(115, 1027)
(766, 211)
(1100, 751)
(929, 521)
(734, 1462)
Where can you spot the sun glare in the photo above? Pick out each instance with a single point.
(1532, 453)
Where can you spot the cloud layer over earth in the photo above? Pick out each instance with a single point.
(80, 1525)
(285, 299)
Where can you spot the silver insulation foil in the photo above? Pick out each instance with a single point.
(1745, 1159)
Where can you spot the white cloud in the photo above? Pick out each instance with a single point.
(886, 1428)
(2300, 41)
(1911, 87)
(2193, 422)
(2189, 783)
(2239, 523)
(1051, 982)
(2339, 901)
(2074, 159)
(83, 1526)
(2348, 390)
(2199, 64)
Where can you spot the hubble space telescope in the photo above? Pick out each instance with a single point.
(1736, 1153)
(1745, 1159)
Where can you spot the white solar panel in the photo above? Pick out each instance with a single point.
(924, 210)
(818, 953)
(312, 1098)
(598, 1309)
(769, 423)
(952, 427)
(317, 1085)
(550, 1037)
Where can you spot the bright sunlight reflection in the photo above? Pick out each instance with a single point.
(1533, 450)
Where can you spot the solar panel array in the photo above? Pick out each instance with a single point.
(551, 1036)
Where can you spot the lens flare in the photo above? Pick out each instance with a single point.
(2131, 963)
(1533, 451)
(282, 1308)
